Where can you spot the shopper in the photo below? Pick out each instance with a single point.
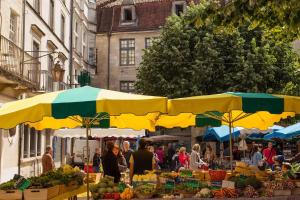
(141, 160)
(47, 160)
(268, 155)
(121, 162)
(155, 157)
(183, 158)
(161, 156)
(256, 156)
(175, 164)
(170, 154)
(96, 161)
(127, 152)
(110, 162)
(209, 155)
(195, 160)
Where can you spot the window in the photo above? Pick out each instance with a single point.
(39, 144)
(179, 7)
(25, 141)
(148, 42)
(37, 6)
(32, 142)
(127, 86)
(62, 28)
(127, 52)
(50, 63)
(35, 53)
(91, 53)
(13, 27)
(76, 36)
(51, 18)
(127, 14)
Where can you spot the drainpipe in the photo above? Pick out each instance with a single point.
(21, 128)
(71, 43)
(108, 57)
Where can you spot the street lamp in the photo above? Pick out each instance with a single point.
(58, 72)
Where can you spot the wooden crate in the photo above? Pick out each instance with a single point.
(282, 192)
(71, 186)
(296, 191)
(41, 194)
(10, 195)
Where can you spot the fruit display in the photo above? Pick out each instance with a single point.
(225, 193)
(105, 189)
(169, 175)
(294, 172)
(243, 181)
(280, 185)
(250, 192)
(127, 194)
(64, 175)
(186, 173)
(145, 191)
(151, 177)
(217, 175)
(9, 185)
(204, 193)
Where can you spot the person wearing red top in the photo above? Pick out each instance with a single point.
(161, 155)
(269, 153)
(183, 158)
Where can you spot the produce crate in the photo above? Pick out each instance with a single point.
(71, 186)
(10, 195)
(282, 192)
(41, 194)
(296, 191)
(217, 175)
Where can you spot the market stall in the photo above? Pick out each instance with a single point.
(85, 106)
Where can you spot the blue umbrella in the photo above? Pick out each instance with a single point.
(286, 133)
(220, 134)
(262, 134)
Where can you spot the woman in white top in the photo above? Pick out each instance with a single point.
(195, 160)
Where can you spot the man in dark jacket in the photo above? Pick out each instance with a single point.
(141, 160)
(110, 162)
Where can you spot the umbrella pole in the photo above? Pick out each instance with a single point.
(87, 160)
(230, 142)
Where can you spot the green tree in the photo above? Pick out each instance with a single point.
(189, 59)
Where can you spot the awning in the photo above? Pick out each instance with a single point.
(289, 132)
(99, 133)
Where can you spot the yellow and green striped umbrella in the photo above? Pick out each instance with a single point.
(67, 108)
(248, 110)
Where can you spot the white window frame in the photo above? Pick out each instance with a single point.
(128, 86)
(37, 147)
(13, 26)
(128, 50)
(133, 13)
(183, 3)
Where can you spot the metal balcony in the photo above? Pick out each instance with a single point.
(10, 64)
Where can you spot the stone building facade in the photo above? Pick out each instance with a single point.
(124, 29)
(47, 42)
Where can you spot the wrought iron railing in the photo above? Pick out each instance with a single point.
(11, 59)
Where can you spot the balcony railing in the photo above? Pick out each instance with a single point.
(11, 59)
(46, 81)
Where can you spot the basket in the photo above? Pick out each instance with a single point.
(217, 175)
(143, 196)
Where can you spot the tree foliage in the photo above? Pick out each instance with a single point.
(280, 18)
(189, 59)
